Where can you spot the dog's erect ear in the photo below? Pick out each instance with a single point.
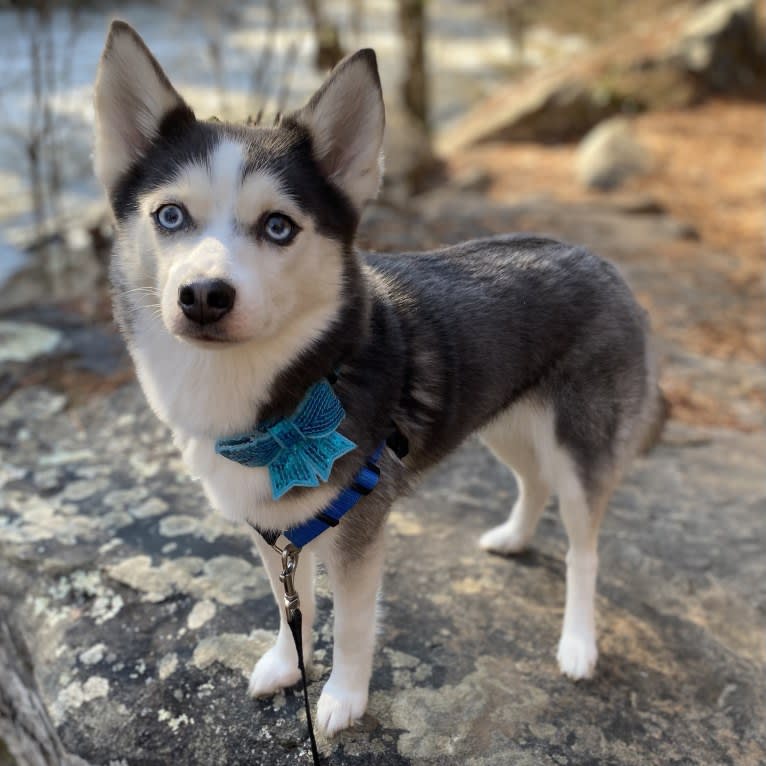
(133, 96)
(346, 119)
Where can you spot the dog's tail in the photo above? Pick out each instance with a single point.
(656, 408)
(657, 415)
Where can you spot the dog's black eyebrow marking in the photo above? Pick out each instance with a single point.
(182, 140)
(286, 153)
(176, 122)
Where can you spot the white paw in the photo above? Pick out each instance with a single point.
(577, 656)
(339, 708)
(274, 671)
(503, 539)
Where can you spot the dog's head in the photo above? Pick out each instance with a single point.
(232, 233)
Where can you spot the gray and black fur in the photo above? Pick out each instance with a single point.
(439, 344)
(457, 336)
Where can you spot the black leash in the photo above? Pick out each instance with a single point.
(295, 621)
(296, 624)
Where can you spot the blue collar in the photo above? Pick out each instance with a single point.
(364, 482)
(300, 451)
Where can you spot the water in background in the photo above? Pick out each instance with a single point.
(226, 62)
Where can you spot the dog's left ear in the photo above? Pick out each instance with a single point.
(346, 119)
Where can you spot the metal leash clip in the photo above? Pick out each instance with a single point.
(290, 556)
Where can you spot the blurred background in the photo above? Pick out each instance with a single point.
(634, 127)
(130, 616)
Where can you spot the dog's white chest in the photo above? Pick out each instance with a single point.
(193, 391)
(203, 396)
(234, 490)
(242, 493)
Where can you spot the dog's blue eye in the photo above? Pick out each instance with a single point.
(170, 217)
(279, 229)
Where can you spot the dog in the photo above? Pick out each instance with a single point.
(238, 289)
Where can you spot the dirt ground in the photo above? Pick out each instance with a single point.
(707, 171)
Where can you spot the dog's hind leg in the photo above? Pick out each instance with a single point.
(278, 668)
(525, 438)
(581, 514)
(515, 534)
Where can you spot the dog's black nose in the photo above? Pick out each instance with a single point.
(207, 301)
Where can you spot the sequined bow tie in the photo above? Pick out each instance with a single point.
(299, 450)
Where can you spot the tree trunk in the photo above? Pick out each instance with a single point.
(415, 84)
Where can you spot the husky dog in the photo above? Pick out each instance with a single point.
(237, 286)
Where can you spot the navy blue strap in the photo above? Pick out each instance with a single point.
(364, 482)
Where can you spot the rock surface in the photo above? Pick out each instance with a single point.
(20, 342)
(549, 106)
(136, 616)
(130, 616)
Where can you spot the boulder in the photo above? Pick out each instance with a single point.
(548, 107)
(721, 46)
(610, 154)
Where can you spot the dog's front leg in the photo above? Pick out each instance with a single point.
(278, 668)
(355, 583)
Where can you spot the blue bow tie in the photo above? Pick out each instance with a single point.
(299, 450)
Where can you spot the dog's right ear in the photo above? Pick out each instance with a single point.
(133, 98)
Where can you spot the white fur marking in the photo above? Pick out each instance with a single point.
(278, 668)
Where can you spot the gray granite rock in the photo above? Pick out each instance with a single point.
(22, 341)
(549, 106)
(131, 616)
(723, 46)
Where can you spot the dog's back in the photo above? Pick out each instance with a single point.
(494, 321)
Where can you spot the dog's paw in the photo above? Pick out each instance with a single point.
(274, 671)
(339, 708)
(503, 539)
(577, 656)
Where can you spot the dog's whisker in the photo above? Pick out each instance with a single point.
(151, 307)
(146, 305)
(152, 293)
(144, 288)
